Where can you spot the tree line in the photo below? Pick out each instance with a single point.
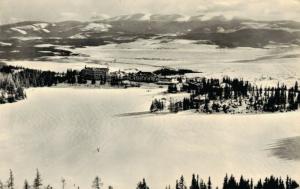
(37, 183)
(14, 79)
(230, 183)
(34, 78)
(196, 183)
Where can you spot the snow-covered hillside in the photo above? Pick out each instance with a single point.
(25, 29)
(153, 17)
(96, 27)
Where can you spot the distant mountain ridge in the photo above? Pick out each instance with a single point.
(218, 30)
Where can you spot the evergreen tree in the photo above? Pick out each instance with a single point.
(251, 184)
(194, 184)
(202, 185)
(97, 184)
(10, 182)
(156, 105)
(181, 184)
(287, 183)
(37, 183)
(142, 185)
(209, 186)
(298, 100)
(232, 184)
(63, 182)
(243, 184)
(259, 185)
(281, 184)
(26, 185)
(225, 183)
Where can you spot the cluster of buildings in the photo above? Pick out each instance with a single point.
(103, 76)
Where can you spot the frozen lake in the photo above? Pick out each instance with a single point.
(58, 130)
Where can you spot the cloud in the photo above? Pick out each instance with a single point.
(255, 9)
(70, 16)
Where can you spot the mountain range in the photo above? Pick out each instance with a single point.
(102, 29)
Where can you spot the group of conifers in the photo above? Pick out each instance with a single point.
(225, 95)
(196, 183)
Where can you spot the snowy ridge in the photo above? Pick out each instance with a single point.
(19, 30)
(3, 44)
(97, 27)
(264, 25)
(78, 36)
(100, 17)
(151, 17)
(40, 27)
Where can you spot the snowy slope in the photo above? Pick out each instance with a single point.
(97, 27)
(158, 147)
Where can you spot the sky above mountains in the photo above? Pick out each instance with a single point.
(59, 10)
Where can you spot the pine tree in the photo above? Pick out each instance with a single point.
(142, 185)
(97, 184)
(244, 184)
(209, 186)
(298, 100)
(296, 87)
(225, 184)
(202, 185)
(10, 182)
(194, 184)
(153, 107)
(181, 184)
(287, 183)
(251, 184)
(63, 182)
(232, 184)
(259, 185)
(281, 184)
(37, 183)
(26, 185)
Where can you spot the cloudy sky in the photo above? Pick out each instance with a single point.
(57, 10)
